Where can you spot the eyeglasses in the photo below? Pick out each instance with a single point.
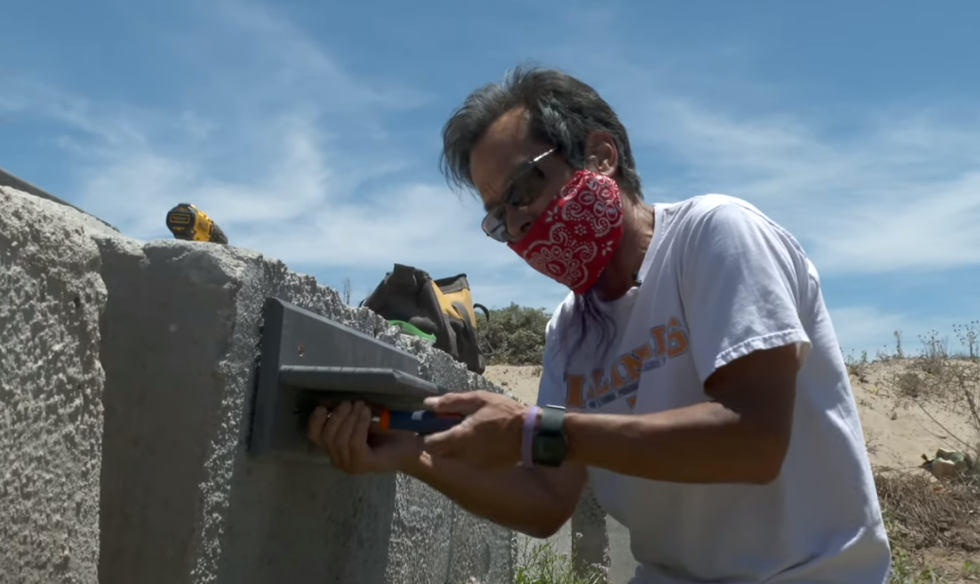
(525, 187)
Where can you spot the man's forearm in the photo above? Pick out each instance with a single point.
(704, 443)
(514, 498)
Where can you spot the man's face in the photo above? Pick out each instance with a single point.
(508, 167)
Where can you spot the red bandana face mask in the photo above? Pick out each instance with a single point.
(574, 239)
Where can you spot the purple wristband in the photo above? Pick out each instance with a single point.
(530, 421)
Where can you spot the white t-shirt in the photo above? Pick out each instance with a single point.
(719, 281)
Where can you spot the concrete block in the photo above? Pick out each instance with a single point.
(590, 543)
(621, 563)
(164, 334)
(180, 337)
(62, 210)
(50, 394)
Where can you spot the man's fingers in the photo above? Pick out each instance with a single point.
(464, 403)
(345, 433)
(444, 444)
(314, 427)
(359, 434)
(329, 436)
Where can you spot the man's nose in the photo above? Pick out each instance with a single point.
(519, 221)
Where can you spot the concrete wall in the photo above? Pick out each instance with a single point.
(157, 488)
(51, 383)
(19, 184)
(179, 342)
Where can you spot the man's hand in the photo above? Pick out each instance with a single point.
(346, 433)
(489, 437)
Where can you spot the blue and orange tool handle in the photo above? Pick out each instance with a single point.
(421, 422)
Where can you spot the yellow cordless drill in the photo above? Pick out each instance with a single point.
(188, 222)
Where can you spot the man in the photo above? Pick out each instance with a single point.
(692, 374)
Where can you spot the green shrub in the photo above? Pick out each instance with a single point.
(515, 334)
(542, 564)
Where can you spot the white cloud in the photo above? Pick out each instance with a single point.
(289, 151)
(253, 55)
(419, 224)
(285, 150)
(863, 328)
(866, 327)
(933, 227)
(897, 192)
(522, 286)
(870, 188)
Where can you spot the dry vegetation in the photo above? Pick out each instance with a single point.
(934, 523)
(912, 404)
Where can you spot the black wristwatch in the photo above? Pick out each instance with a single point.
(549, 446)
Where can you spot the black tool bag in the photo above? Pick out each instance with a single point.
(442, 308)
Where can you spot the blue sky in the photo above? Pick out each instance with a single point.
(310, 131)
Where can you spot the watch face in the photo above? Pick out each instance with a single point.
(549, 447)
(549, 450)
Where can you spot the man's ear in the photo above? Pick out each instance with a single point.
(601, 152)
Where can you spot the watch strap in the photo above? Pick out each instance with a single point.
(550, 431)
(527, 440)
(552, 421)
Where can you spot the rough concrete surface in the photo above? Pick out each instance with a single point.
(621, 563)
(50, 394)
(174, 326)
(590, 542)
(20, 185)
(180, 336)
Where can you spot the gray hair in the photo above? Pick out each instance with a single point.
(562, 112)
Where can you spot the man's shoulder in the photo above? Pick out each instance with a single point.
(695, 209)
(715, 211)
(561, 313)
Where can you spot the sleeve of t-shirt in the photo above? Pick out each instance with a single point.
(740, 282)
(551, 389)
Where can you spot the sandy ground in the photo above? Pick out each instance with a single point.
(897, 435)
